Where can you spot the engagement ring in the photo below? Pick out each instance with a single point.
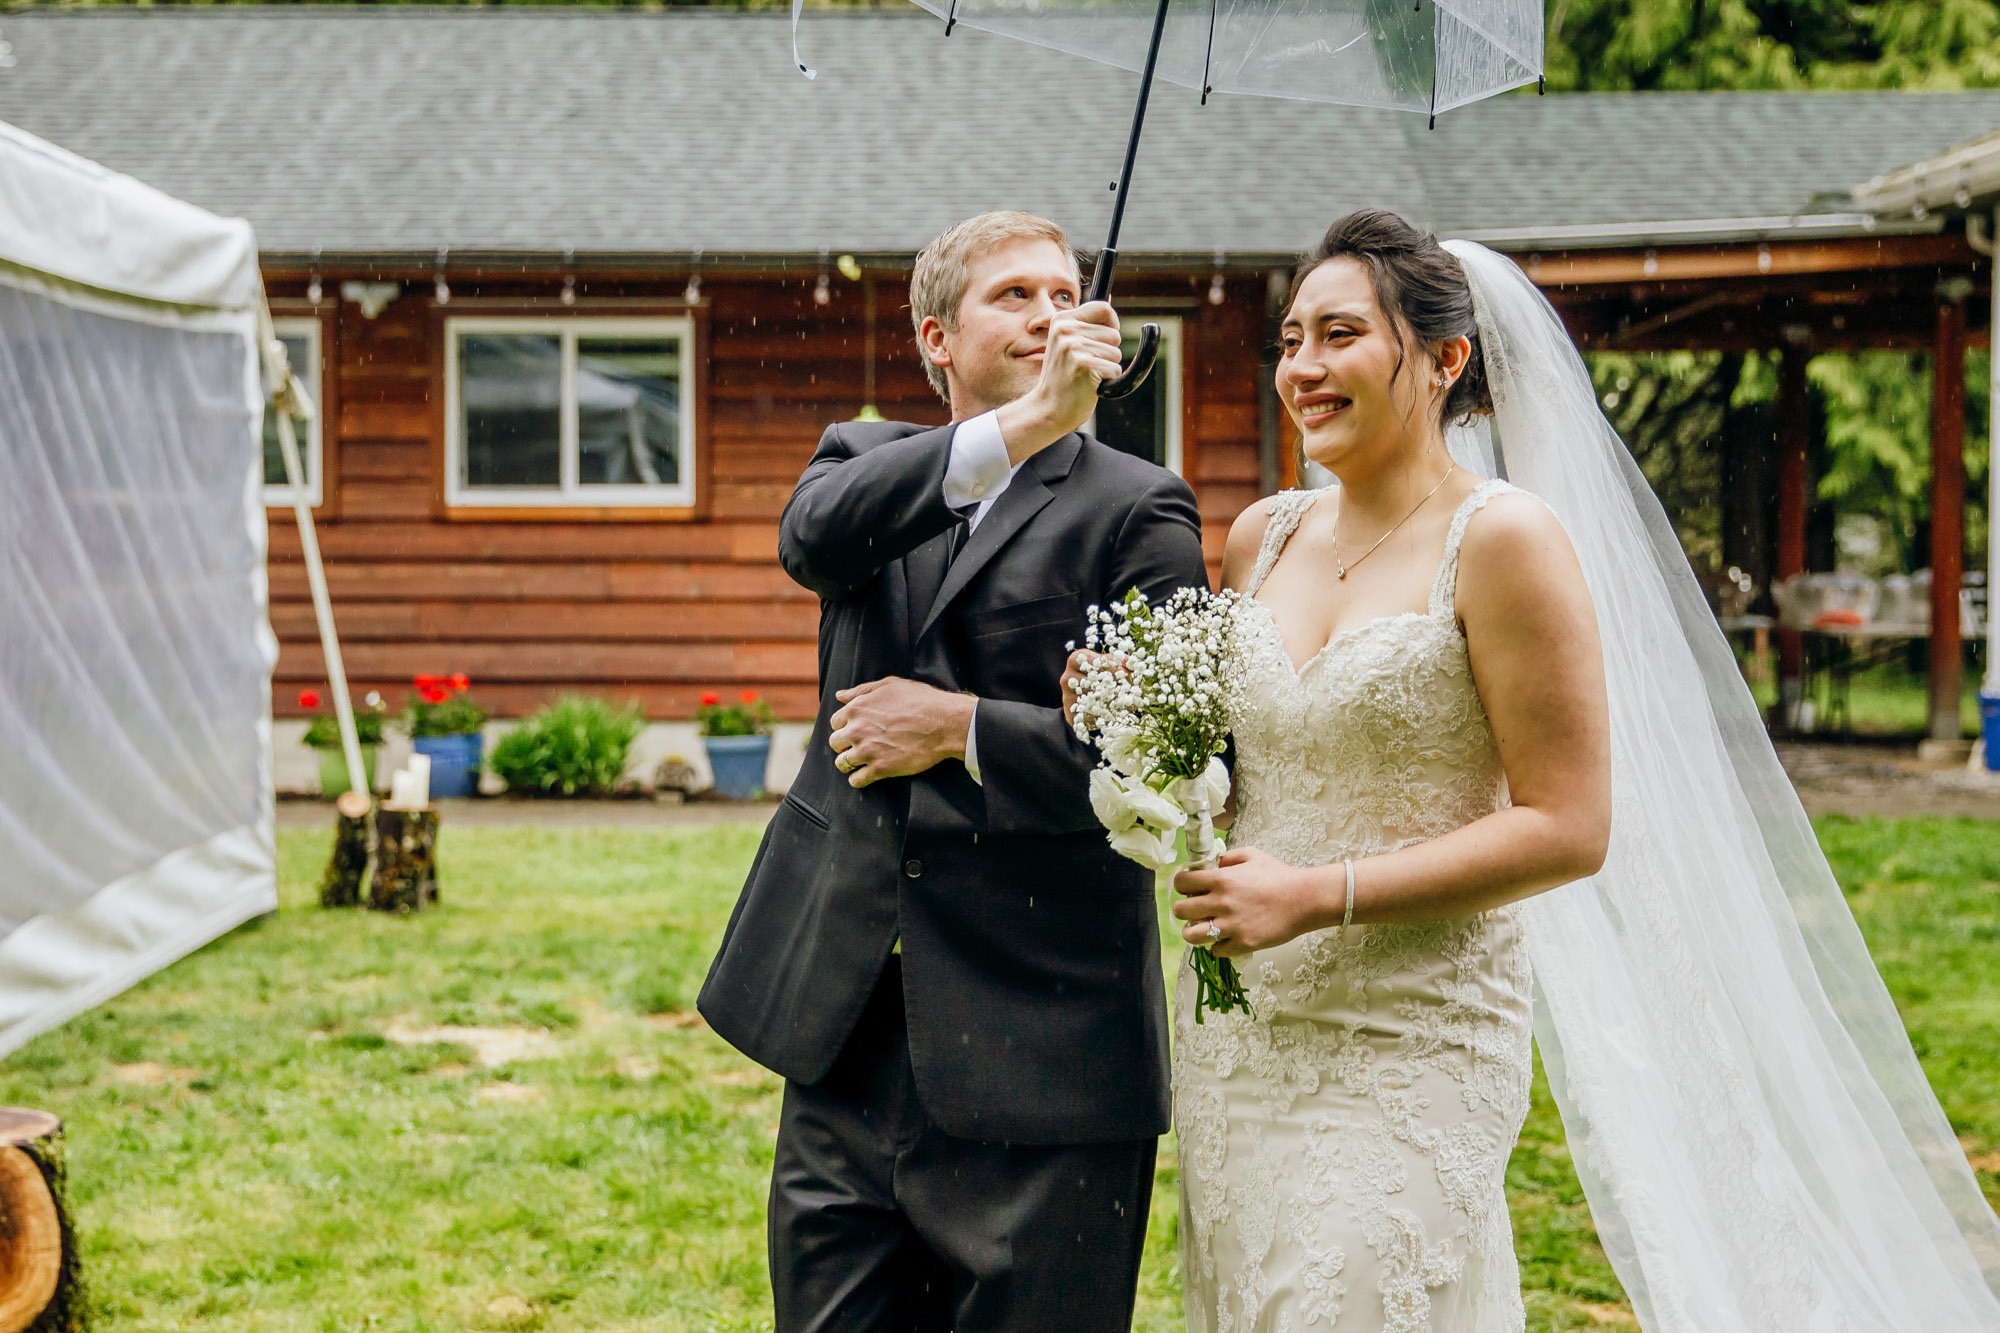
(1214, 932)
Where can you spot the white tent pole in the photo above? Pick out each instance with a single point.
(288, 396)
(1993, 465)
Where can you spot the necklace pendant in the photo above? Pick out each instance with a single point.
(1343, 576)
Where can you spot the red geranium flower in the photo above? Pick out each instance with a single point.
(709, 698)
(749, 696)
(461, 682)
(309, 698)
(435, 694)
(428, 682)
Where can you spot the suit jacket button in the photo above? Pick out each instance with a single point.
(913, 868)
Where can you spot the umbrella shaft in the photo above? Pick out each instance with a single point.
(1100, 282)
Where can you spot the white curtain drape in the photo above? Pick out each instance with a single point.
(135, 646)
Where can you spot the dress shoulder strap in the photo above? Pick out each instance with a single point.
(1443, 592)
(1287, 508)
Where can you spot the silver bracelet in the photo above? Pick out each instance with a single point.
(1347, 917)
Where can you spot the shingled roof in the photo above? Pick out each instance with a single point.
(394, 131)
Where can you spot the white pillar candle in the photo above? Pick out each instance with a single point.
(402, 787)
(420, 774)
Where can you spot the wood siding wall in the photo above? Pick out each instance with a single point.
(652, 611)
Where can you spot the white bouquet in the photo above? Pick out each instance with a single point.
(1155, 701)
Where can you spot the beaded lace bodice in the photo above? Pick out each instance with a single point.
(1379, 740)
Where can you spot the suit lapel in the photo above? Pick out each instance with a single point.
(924, 572)
(1024, 497)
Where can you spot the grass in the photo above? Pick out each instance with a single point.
(1883, 700)
(256, 1144)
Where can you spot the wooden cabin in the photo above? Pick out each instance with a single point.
(577, 291)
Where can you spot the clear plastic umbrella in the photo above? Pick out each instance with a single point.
(1426, 56)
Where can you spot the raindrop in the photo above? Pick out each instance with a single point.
(1963, 198)
(1919, 210)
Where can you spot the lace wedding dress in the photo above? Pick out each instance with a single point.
(1343, 1148)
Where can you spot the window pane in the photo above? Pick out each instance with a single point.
(628, 396)
(297, 347)
(510, 398)
(1138, 424)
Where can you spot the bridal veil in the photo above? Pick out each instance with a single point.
(1759, 1146)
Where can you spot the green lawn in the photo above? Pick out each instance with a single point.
(260, 1138)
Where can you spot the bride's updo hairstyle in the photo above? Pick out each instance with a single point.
(1422, 288)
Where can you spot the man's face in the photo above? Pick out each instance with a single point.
(995, 354)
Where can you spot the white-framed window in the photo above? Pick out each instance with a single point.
(569, 411)
(1148, 423)
(301, 338)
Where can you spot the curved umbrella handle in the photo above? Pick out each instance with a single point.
(1136, 370)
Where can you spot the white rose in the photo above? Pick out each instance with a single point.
(1124, 754)
(1107, 800)
(1153, 850)
(1153, 808)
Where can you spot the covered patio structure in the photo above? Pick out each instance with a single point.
(1859, 276)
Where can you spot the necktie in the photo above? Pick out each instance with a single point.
(956, 541)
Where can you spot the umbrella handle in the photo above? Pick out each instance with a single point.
(1136, 370)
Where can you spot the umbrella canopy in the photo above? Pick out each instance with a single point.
(1407, 55)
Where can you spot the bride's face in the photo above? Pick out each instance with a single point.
(1345, 373)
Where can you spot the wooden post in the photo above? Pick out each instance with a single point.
(405, 860)
(1947, 517)
(1793, 432)
(41, 1288)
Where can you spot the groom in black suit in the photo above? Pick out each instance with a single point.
(957, 977)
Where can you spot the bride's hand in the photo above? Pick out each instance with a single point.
(1258, 900)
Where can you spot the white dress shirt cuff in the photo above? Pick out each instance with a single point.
(979, 464)
(972, 744)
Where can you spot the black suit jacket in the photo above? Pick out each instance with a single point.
(1031, 967)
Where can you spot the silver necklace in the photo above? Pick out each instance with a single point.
(1392, 527)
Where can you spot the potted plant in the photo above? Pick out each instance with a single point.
(324, 735)
(444, 724)
(738, 740)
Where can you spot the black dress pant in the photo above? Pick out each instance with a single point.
(882, 1223)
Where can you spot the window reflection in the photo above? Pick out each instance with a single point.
(510, 392)
(628, 411)
(298, 350)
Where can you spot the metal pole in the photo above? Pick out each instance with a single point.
(1107, 259)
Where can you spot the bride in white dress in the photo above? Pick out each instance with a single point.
(1460, 695)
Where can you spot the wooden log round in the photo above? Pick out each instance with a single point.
(340, 886)
(40, 1286)
(405, 860)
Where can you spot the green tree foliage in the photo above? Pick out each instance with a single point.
(1618, 45)
(1677, 411)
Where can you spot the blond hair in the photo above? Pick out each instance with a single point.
(943, 268)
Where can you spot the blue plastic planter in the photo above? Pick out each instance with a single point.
(1989, 728)
(455, 763)
(738, 763)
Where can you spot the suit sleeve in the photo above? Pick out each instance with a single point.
(855, 510)
(1035, 772)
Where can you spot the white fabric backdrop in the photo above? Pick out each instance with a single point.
(135, 646)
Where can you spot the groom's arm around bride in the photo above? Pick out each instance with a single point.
(935, 946)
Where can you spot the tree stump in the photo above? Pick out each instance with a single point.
(341, 885)
(405, 860)
(41, 1285)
